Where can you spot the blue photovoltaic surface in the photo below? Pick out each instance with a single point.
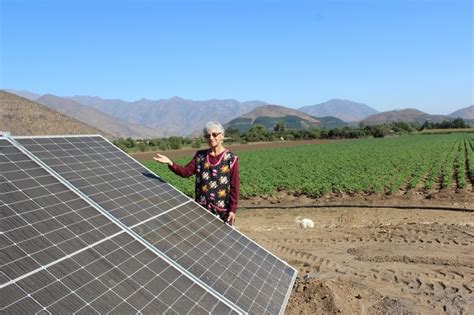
(60, 254)
(220, 257)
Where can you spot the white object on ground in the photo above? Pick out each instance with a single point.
(305, 223)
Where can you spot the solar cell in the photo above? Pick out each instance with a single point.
(214, 253)
(61, 254)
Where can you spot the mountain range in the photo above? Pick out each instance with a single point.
(177, 116)
(174, 116)
(97, 118)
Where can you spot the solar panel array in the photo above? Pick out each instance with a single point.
(62, 255)
(78, 205)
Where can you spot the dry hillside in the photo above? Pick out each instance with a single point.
(22, 117)
(405, 115)
(342, 109)
(277, 111)
(465, 113)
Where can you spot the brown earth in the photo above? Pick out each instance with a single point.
(372, 260)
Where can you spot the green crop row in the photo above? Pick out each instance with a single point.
(357, 166)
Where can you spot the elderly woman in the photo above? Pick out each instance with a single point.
(217, 174)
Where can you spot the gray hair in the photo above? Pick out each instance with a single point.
(213, 125)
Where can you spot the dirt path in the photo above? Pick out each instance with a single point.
(372, 261)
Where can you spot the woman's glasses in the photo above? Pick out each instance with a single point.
(213, 134)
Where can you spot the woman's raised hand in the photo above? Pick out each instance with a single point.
(160, 158)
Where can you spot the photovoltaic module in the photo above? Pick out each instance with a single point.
(86, 228)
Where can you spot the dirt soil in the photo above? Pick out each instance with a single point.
(373, 260)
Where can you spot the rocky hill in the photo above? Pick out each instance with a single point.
(22, 117)
(277, 111)
(26, 94)
(406, 115)
(269, 115)
(465, 113)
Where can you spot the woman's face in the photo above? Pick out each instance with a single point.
(214, 138)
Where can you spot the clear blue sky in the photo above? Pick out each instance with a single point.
(388, 54)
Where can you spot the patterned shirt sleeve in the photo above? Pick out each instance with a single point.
(184, 171)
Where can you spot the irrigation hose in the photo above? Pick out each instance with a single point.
(359, 206)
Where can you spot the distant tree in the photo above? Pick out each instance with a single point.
(163, 145)
(300, 134)
(324, 134)
(256, 133)
(230, 132)
(232, 135)
(175, 142)
(401, 127)
(378, 131)
(446, 124)
(426, 125)
(459, 123)
(279, 127)
(153, 142)
(314, 133)
(142, 147)
(130, 143)
(196, 143)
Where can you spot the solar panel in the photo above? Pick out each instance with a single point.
(230, 265)
(60, 254)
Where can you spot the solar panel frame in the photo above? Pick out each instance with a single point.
(112, 193)
(28, 301)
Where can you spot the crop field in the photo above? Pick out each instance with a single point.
(396, 165)
(375, 259)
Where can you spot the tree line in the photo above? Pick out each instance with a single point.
(258, 133)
